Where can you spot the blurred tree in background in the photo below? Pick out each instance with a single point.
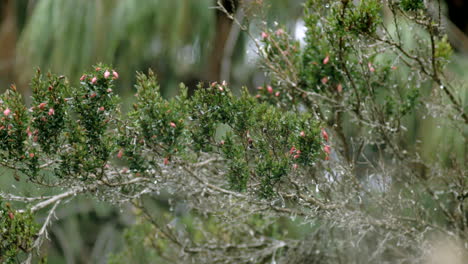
(395, 112)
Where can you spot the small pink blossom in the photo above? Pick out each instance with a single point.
(327, 149)
(277, 94)
(296, 156)
(339, 88)
(120, 154)
(109, 90)
(115, 74)
(42, 106)
(324, 80)
(394, 67)
(166, 161)
(31, 155)
(302, 134)
(279, 32)
(264, 35)
(326, 60)
(292, 150)
(295, 166)
(7, 112)
(93, 95)
(93, 80)
(258, 96)
(83, 77)
(371, 68)
(51, 111)
(324, 134)
(260, 88)
(28, 132)
(98, 68)
(172, 124)
(220, 88)
(101, 109)
(106, 74)
(221, 142)
(269, 89)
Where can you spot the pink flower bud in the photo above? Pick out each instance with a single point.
(120, 154)
(292, 150)
(106, 74)
(296, 156)
(324, 80)
(371, 68)
(277, 94)
(98, 68)
(221, 88)
(109, 90)
(302, 134)
(7, 112)
(51, 111)
(101, 109)
(93, 95)
(93, 80)
(324, 134)
(279, 32)
(269, 89)
(264, 35)
(295, 166)
(326, 60)
(31, 155)
(172, 124)
(339, 88)
(42, 106)
(394, 67)
(221, 142)
(327, 149)
(166, 161)
(115, 74)
(258, 96)
(83, 77)
(260, 88)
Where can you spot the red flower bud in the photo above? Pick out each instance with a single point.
(292, 150)
(31, 155)
(166, 161)
(42, 106)
(324, 134)
(120, 154)
(327, 149)
(269, 89)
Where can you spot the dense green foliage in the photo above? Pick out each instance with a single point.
(326, 164)
(17, 232)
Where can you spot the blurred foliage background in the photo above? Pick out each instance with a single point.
(182, 41)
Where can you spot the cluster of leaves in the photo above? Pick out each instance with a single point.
(17, 232)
